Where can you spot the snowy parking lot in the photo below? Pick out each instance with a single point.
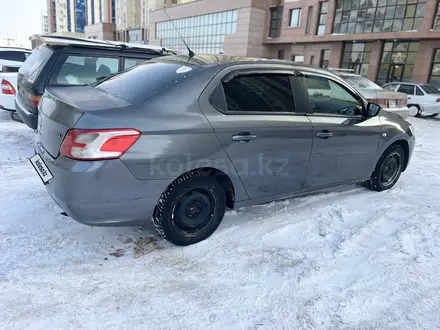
(351, 258)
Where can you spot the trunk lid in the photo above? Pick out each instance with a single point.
(392, 98)
(60, 109)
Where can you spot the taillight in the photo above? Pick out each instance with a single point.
(438, 100)
(402, 102)
(98, 144)
(379, 101)
(7, 87)
(34, 100)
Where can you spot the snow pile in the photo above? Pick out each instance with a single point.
(347, 259)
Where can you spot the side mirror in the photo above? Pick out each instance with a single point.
(373, 109)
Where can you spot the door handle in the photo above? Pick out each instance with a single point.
(409, 97)
(244, 137)
(324, 134)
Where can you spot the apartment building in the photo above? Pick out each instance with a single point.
(44, 22)
(384, 40)
(133, 18)
(72, 16)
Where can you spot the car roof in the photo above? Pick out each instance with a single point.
(15, 49)
(210, 60)
(94, 43)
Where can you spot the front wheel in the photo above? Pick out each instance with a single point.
(388, 169)
(191, 209)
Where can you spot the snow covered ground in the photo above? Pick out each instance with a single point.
(342, 260)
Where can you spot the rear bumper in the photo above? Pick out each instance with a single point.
(7, 102)
(27, 117)
(102, 193)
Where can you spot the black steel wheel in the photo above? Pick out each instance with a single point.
(388, 169)
(191, 209)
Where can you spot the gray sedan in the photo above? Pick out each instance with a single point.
(180, 140)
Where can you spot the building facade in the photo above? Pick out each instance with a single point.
(72, 16)
(44, 22)
(384, 40)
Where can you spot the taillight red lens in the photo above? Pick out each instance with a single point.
(438, 100)
(379, 101)
(82, 144)
(7, 87)
(402, 102)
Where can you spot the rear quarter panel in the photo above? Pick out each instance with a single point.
(176, 136)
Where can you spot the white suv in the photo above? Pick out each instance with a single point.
(422, 98)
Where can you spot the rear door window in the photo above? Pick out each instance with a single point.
(259, 93)
(11, 55)
(131, 62)
(407, 89)
(84, 70)
(35, 63)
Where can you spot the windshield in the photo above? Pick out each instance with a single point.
(360, 82)
(429, 89)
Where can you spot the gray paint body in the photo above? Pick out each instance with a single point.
(182, 131)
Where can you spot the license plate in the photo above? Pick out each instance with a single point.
(392, 103)
(41, 168)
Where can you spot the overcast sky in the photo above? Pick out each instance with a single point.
(21, 19)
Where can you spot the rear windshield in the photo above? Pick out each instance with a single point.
(360, 82)
(429, 89)
(35, 63)
(140, 82)
(14, 55)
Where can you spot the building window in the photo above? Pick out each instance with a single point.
(69, 17)
(309, 19)
(281, 54)
(434, 78)
(276, 17)
(437, 18)
(54, 15)
(325, 57)
(113, 12)
(298, 58)
(378, 16)
(204, 34)
(92, 2)
(80, 15)
(397, 63)
(295, 17)
(357, 57)
(323, 9)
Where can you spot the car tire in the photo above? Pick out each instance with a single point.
(414, 111)
(432, 115)
(15, 117)
(190, 209)
(388, 169)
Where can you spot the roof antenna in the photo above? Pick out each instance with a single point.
(190, 52)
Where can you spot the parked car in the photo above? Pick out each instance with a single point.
(65, 61)
(181, 140)
(389, 100)
(422, 98)
(11, 58)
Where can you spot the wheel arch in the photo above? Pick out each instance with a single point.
(405, 146)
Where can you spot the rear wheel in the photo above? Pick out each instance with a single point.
(191, 209)
(414, 110)
(432, 115)
(15, 117)
(388, 169)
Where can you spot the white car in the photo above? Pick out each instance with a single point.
(11, 60)
(422, 98)
(390, 101)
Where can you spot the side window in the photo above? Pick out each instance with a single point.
(82, 70)
(419, 92)
(407, 89)
(259, 92)
(327, 96)
(17, 56)
(130, 62)
(390, 87)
